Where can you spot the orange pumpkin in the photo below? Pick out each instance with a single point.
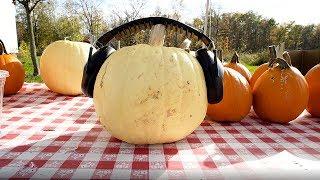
(10, 63)
(258, 72)
(237, 98)
(236, 65)
(312, 78)
(262, 68)
(281, 93)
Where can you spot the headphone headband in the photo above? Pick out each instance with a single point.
(146, 23)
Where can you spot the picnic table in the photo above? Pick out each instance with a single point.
(45, 135)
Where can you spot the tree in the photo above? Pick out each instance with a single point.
(69, 28)
(29, 6)
(294, 37)
(177, 7)
(307, 33)
(122, 14)
(158, 12)
(316, 37)
(91, 16)
(198, 23)
(69, 24)
(266, 27)
(44, 22)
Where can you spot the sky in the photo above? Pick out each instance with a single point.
(302, 12)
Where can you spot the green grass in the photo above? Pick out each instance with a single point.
(27, 64)
(251, 61)
(251, 68)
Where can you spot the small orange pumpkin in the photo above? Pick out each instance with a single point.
(10, 63)
(312, 78)
(281, 93)
(237, 99)
(236, 65)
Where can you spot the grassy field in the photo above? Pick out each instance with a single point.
(27, 63)
(251, 68)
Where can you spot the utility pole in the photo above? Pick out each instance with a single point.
(206, 18)
(210, 20)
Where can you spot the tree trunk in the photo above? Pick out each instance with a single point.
(32, 44)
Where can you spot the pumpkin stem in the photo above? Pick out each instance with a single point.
(282, 64)
(235, 58)
(186, 44)
(287, 57)
(157, 35)
(2, 48)
(272, 54)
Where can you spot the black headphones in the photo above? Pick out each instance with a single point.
(207, 56)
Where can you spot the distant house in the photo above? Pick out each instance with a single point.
(8, 30)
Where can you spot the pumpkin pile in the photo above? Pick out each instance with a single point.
(279, 91)
(10, 63)
(61, 66)
(148, 93)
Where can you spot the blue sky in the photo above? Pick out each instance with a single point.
(302, 12)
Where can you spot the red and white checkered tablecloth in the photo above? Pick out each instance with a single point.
(45, 135)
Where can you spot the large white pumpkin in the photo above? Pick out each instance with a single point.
(150, 94)
(61, 66)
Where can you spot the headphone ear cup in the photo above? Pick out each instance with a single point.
(213, 72)
(92, 67)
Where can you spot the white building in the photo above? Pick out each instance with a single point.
(8, 30)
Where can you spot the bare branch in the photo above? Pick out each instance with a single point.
(90, 15)
(35, 4)
(23, 2)
(133, 11)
